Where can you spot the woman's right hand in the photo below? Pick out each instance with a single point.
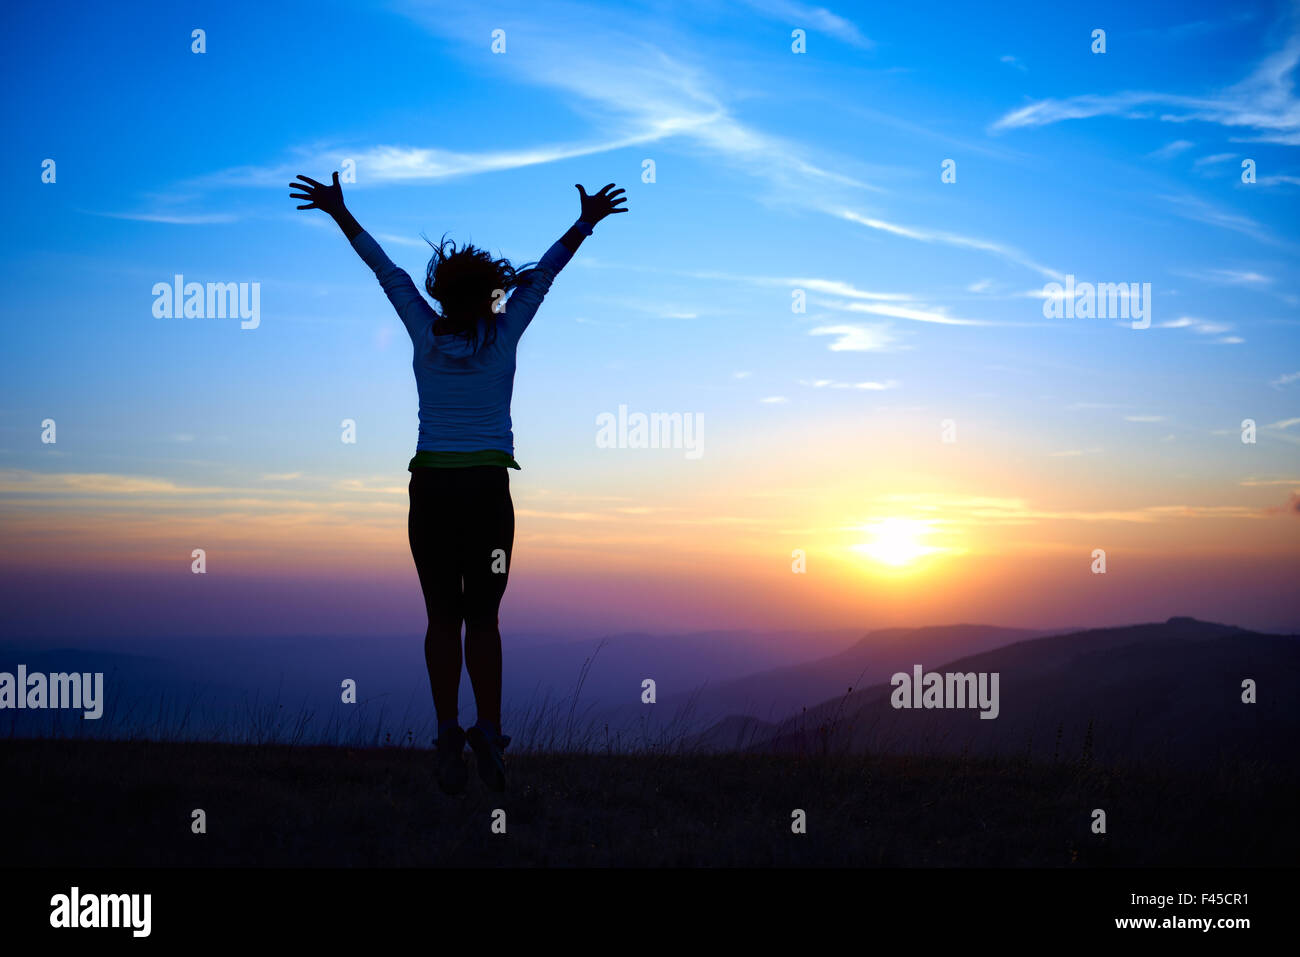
(318, 195)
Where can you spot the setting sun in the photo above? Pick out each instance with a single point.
(896, 541)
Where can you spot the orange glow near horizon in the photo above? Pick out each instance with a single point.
(896, 532)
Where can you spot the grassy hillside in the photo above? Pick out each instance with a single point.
(70, 803)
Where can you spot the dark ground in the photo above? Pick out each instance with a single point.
(86, 803)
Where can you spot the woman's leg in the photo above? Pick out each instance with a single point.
(432, 531)
(490, 542)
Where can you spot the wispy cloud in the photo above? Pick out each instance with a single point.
(1213, 160)
(935, 314)
(1228, 277)
(813, 18)
(1204, 327)
(870, 301)
(174, 219)
(1198, 210)
(856, 337)
(388, 164)
(1263, 103)
(833, 384)
(836, 287)
(1171, 149)
(96, 483)
(951, 239)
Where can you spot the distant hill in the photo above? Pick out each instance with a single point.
(1167, 692)
(617, 664)
(777, 693)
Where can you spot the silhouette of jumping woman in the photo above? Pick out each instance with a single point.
(461, 523)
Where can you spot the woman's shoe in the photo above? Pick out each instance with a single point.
(488, 756)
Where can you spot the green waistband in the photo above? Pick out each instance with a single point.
(462, 460)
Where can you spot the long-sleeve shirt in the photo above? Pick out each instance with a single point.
(464, 392)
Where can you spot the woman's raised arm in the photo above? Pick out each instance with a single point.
(416, 314)
(525, 301)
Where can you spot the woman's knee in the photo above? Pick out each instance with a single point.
(443, 624)
(482, 622)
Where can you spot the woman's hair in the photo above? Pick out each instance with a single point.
(467, 283)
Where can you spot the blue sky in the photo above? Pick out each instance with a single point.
(774, 171)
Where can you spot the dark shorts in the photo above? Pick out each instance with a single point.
(462, 532)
